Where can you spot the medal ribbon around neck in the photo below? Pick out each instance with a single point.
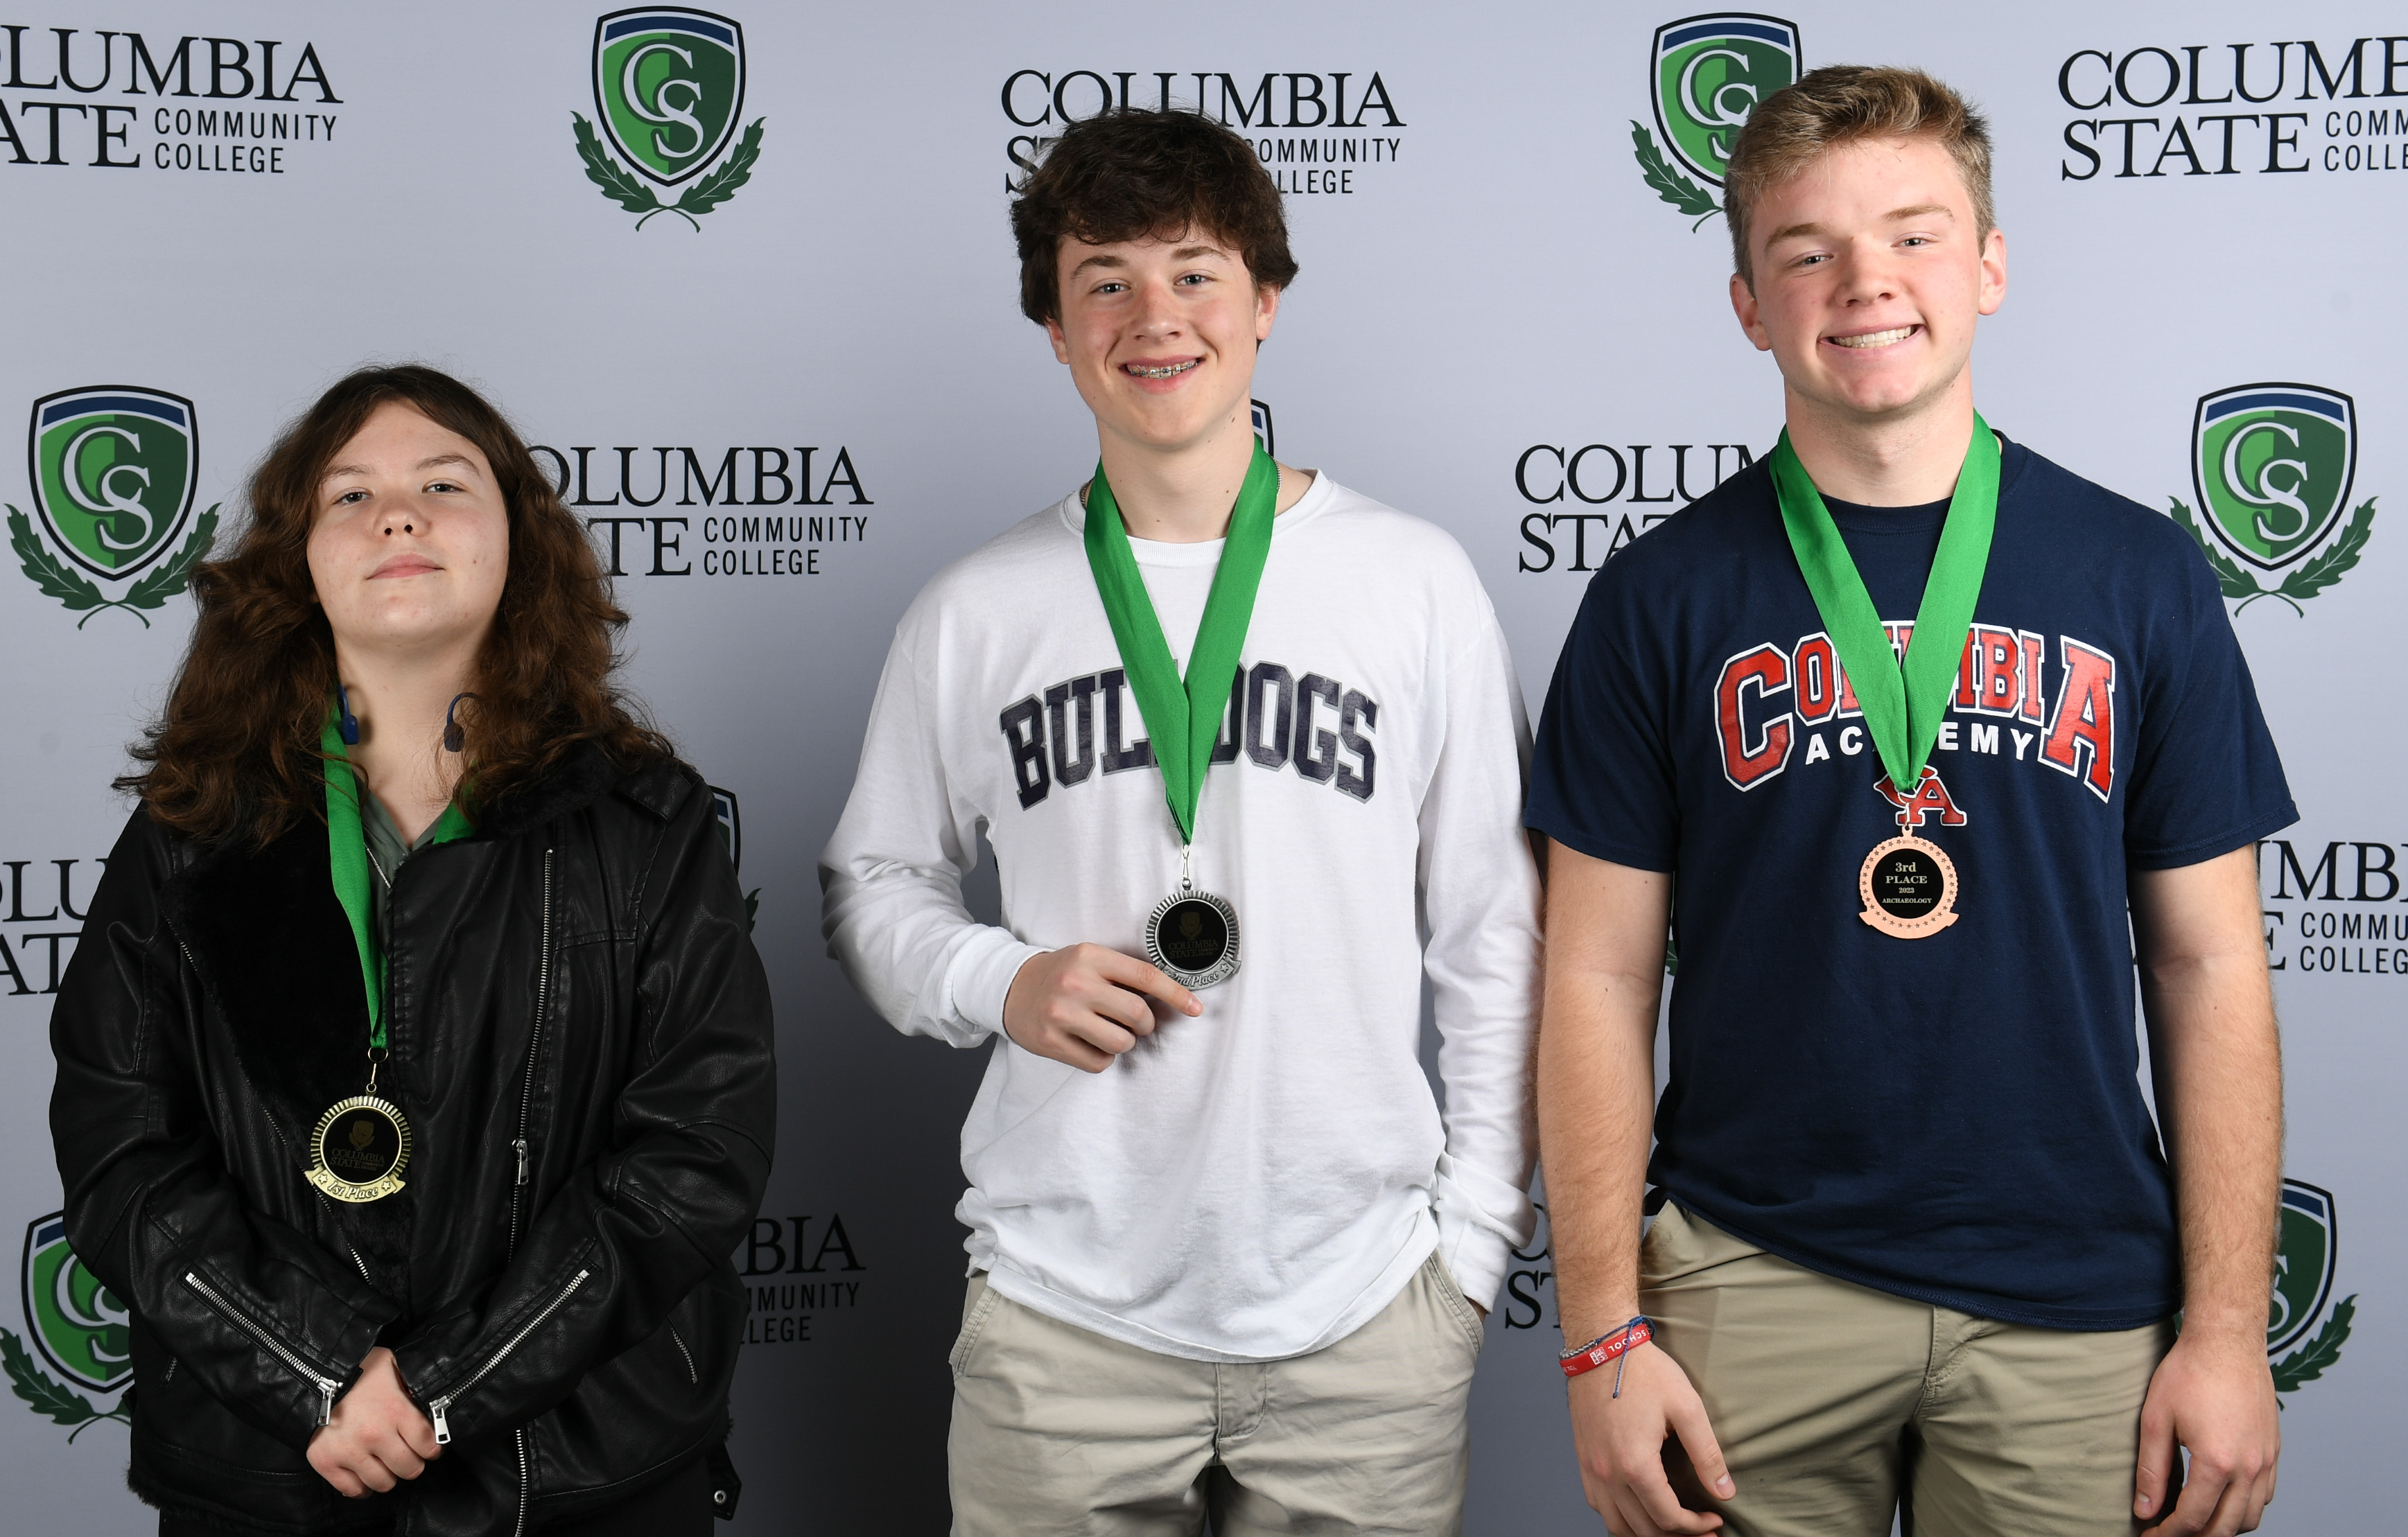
(365, 1136)
(1183, 718)
(346, 851)
(1902, 704)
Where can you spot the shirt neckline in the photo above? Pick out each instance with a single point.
(1206, 552)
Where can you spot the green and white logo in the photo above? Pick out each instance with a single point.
(1705, 75)
(78, 1325)
(669, 90)
(2273, 465)
(2304, 1280)
(112, 469)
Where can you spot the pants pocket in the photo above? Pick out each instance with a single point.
(1467, 1317)
(977, 1306)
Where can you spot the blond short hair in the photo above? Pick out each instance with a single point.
(1844, 104)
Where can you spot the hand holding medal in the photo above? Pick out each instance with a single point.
(1908, 885)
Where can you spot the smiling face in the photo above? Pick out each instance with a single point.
(411, 540)
(1870, 272)
(1160, 336)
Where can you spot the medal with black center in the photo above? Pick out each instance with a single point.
(1909, 888)
(360, 1148)
(1191, 935)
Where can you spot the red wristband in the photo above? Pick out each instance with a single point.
(1605, 1348)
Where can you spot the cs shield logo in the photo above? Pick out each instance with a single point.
(1705, 75)
(1263, 427)
(2303, 1281)
(2273, 465)
(669, 90)
(77, 1324)
(731, 837)
(112, 469)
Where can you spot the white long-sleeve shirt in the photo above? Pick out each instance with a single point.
(1257, 1182)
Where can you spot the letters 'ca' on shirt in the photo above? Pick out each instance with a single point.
(1257, 1182)
(1955, 1118)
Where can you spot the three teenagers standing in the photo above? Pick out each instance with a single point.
(1919, 1244)
(414, 1076)
(414, 1073)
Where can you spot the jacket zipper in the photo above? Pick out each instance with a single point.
(439, 1410)
(519, 1436)
(691, 1374)
(327, 1387)
(535, 1045)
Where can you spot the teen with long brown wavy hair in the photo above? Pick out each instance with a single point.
(415, 1071)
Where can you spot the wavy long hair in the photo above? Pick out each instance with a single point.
(236, 751)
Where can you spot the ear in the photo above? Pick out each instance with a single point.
(1267, 302)
(1994, 273)
(1744, 306)
(1061, 343)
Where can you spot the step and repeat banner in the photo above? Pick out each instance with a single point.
(745, 276)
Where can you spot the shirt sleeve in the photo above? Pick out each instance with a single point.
(2206, 777)
(1602, 782)
(1480, 893)
(891, 877)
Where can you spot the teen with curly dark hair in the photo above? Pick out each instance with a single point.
(415, 1074)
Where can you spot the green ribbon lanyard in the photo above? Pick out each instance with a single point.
(1183, 719)
(1902, 704)
(347, 850)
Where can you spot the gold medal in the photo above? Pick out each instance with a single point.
(1909, 888)
(360, 1148)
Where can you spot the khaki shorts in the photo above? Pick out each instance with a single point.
(1065, 1432)
(1837, 1405)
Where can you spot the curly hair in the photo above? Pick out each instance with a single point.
(1843, 104)
(1134, 172)
(237, 750)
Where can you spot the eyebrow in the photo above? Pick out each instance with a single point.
(1186, 254)
(426, 464)
(1894, 216)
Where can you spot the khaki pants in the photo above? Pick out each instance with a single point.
(1061, 1432)
(1837, 1405)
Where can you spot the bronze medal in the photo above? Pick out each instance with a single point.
(1909, 888)
(360, 1148)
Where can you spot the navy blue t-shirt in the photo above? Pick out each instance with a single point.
(1955, 1118)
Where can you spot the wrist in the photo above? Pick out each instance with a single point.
(2225, 1327)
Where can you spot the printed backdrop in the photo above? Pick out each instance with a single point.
(747, 278)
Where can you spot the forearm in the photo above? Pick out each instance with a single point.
(1594, 1117)
(2220, 1100)
(1596, 1080)
(2218, 1074)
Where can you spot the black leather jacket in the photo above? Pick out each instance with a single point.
(580, 1037)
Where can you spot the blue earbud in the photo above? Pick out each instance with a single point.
(452, 734)
(348, 723)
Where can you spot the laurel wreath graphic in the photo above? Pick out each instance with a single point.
(2308, 1363)
(631, 193)
(60, 580)
(2308, 578)
(50, 1396)
(1669, 184)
